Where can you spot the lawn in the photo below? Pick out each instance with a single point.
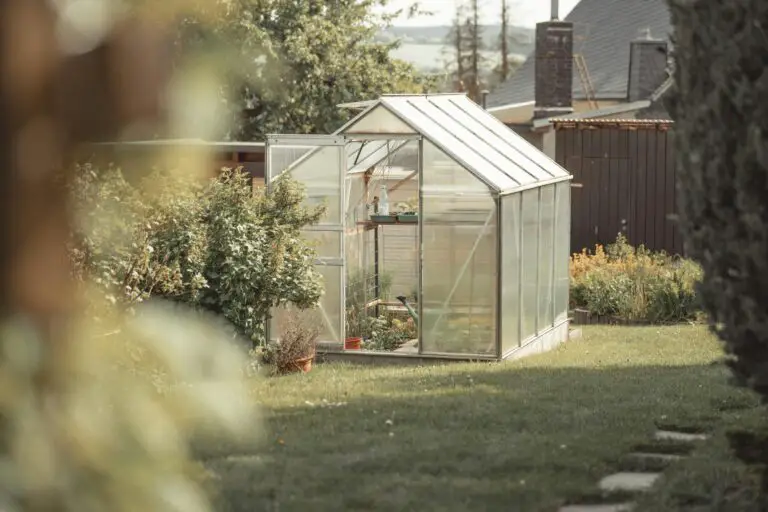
(527, 435)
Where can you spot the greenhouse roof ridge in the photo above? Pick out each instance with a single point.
(471, 136)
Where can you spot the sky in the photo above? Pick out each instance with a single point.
(522, 12)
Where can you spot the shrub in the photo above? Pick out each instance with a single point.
(299, 334)
(217, 245)
(634, 284)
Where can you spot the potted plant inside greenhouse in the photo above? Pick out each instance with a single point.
(409, 211)
(381, 213)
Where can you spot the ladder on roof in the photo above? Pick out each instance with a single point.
(586, 80)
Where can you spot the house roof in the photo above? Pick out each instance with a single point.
(466, 133)
(603, 30)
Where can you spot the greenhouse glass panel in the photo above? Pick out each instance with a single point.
(459, 262)
(327, 244)
(519, 167)
(318, 164)
(530, 268)
(330, 313)
(562, 249)
(511, 259)
(317, 168)
(546, 256)
(380, 121)
(420, 115)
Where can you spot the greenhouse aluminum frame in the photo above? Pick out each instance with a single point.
(527, 196)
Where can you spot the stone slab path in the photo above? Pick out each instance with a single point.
(635, 481)
(666, 457)
(628, 481)
(617, 507)
(666, 435)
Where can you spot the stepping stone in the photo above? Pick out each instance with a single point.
(669, 435)
(656, 456)
(613, 507)
(628, 481)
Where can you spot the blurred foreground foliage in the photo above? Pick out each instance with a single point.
(216, 245)
(288, 63)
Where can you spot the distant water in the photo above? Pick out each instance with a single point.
(432, 57)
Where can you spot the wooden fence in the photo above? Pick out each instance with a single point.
(623, 182)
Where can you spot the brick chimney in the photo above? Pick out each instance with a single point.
(554, 68)
(647, 66)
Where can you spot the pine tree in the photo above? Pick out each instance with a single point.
(457, 41)
(504, 43)
(476, 45)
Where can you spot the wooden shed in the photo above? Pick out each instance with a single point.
(624, 179)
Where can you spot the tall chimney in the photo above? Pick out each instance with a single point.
(647, 66)
(553, 68)
(555, 10)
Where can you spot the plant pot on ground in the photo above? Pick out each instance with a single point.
(295, 350)
(353, 343)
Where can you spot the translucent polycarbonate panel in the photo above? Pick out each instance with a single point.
(379, 121)
(444, 133)
(331, 303)
(518, 166)
(390, 153)
(511, 138)
(356, 200)
(318, 170)
(459, 260)
(546, 256)
(329, 314)
(356, 234)
(529, 277)
(511, 261)
(327, 244)
(562, 249)
(282, 157)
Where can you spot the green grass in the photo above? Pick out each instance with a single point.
(524, 435)
(711, 478)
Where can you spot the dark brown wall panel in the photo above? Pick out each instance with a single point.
(624, 182)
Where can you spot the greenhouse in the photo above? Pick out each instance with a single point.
(445, 234)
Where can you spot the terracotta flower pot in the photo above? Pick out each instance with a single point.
(353, 343)
(303, 365)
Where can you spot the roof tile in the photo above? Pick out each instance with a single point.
(603, 30)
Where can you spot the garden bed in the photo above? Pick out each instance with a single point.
(624, 285)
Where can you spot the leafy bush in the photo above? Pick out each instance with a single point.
(218, 245)
(299, 334)
(634, 284)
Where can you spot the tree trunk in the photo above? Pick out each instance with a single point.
(504, 40)
(458, 46)
(475, 46)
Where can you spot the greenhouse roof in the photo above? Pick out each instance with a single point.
(466, 132)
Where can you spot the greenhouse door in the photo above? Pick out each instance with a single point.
(318, 162)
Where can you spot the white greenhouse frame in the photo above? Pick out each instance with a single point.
(469, 166)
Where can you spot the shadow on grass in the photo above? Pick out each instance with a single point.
(476, 437)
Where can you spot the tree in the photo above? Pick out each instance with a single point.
(504, 40)
(466, 38)
(291, 62)
(721, 130)
(476, 45)
(458, 42)
(216, 246)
